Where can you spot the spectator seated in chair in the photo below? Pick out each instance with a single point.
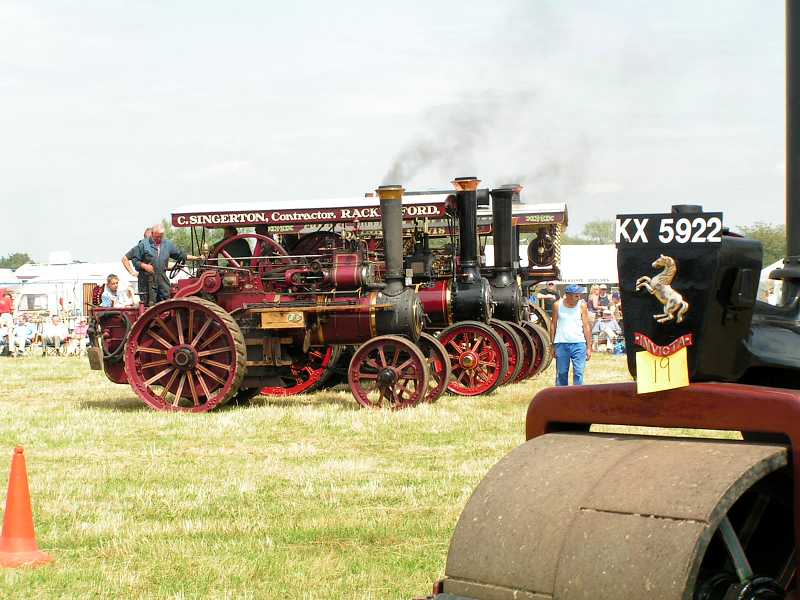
(54, 336)
(78, 339)
(606, 329)
(21, 336)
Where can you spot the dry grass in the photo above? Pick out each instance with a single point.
(305, 497)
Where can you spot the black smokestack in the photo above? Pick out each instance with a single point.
(467, 206)
(502, 228)
(391, 197)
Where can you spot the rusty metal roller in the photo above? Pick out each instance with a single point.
(601, 517)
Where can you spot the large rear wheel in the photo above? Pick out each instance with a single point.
(186, 355)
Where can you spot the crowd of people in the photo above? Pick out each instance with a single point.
(24, 334)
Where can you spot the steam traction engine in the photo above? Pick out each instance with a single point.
(577, 513)
(241, 322)
(460, 305)
(528, 343)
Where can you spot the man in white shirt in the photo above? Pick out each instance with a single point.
(55, 333)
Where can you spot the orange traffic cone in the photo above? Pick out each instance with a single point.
(18, 542)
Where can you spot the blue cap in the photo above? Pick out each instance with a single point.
(574, 288)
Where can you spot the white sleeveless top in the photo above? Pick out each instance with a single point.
(569, 329)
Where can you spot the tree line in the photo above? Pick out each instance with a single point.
(771, 236)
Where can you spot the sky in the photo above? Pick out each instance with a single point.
(113, 113)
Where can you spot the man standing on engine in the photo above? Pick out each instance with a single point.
(163, 250)
(142, 252)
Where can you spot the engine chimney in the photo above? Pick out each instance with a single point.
(391, 197)
(506, 295)
(467, 207)
(502, 229)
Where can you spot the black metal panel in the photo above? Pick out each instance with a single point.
(718, 281)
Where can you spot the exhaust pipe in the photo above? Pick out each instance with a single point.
(391, 197)
(467, 207)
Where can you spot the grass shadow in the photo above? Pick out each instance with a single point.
(313, 399)
(121, 405)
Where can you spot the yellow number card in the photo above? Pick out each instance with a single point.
(656, 373)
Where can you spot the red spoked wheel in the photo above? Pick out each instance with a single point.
(388, 372)
(478, 357)
(529, 351)
(438, 365)
(308, 373)
(544, 349)
(514, 349)
(185, 354)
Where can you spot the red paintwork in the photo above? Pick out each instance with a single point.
(306, 373)
(434, 300)
(208, 282)
(468, 343)
(719, 406)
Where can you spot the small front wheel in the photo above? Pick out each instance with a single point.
(388, 372)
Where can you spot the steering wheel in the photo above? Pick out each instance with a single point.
(177, 268)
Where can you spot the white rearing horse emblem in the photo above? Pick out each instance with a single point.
(675, 306)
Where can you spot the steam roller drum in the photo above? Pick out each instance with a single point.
(439, 368)
(570, 516)
(514, 349)
(477, 355)
(528, 351)
(544, 349)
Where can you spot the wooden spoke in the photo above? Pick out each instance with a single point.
(211, 374)
(158, 376)
(214, 351)
(202, 331)
(156, 351)
(405, 364)
(179, 325)
(155, 363)
(214, 336)
(191, 324)
(203, 386)
(166, 330)
(218, 365)
(382, 356)
(158, 338)
(172, 378)
(363, 375)
(395, 356)
(179, 391)
(193, 389)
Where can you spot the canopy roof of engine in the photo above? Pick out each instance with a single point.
(285, 215)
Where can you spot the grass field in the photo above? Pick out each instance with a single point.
(304, 497)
